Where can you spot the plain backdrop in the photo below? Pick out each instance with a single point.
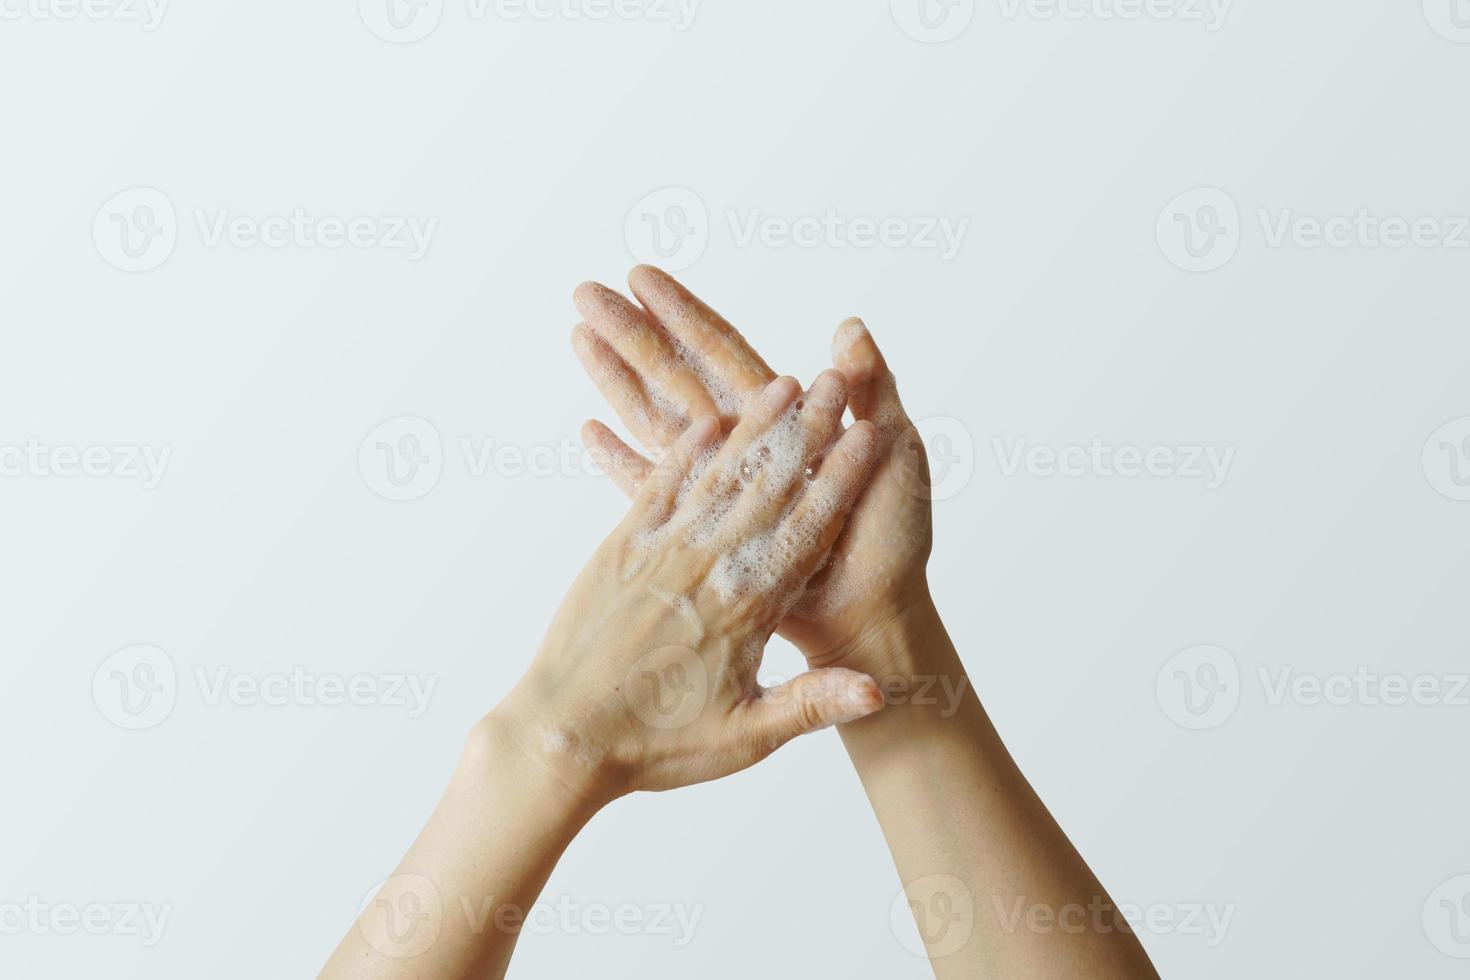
(1084, 155)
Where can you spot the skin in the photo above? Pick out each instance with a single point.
(996, 887)
(645, 680)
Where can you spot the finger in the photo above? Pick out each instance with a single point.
(661, 491)
(872, 391)
(809, 703)
(808, 532)
(622, 463)
(646, 348)
(623, 390)
(787, 455)
(716, 490)
(732, 370)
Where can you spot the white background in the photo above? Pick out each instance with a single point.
(1334, 543)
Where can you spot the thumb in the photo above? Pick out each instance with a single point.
(813, 701)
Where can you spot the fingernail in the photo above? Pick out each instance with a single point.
(703, 428)
(828, 390)
(779, 393)
(859, 441)
(858, 699)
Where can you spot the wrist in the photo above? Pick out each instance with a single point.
(503, 748)
(903, 636)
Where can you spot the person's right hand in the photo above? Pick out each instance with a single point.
(647, 676)
(674, 358)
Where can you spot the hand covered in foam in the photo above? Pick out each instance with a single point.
(647, 676)
(674, 358)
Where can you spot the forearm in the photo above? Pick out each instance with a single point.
(996, 886)
(455, 905)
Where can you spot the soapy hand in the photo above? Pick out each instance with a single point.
(674, 359)
(647, 676)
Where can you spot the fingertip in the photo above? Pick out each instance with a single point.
(703, 429)
(855, 353)
(859, 440)
(589, 297)
(645, 273)
(862, 697)
(594, 433)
